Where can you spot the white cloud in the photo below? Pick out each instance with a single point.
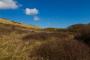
(36, 18)
(8, 4)
(31, 12)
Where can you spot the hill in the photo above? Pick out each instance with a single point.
(15, 25)
(18, 42)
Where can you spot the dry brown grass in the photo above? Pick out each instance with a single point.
(16, 44)
(59, 46)
(42, 46)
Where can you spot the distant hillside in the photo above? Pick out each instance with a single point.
(4, 23)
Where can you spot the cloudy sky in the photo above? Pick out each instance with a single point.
(46, 13)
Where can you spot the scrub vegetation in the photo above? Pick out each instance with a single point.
(72, 43)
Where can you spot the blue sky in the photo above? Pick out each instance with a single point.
(46, 13)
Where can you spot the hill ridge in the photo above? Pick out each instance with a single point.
(17, 24)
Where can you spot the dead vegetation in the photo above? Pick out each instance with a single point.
(70, 44)
(57, 46)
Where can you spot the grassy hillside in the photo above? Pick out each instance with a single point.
(19, 44)
(15, 25)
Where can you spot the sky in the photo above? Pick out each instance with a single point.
(46, 13)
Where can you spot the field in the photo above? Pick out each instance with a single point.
(46, 44)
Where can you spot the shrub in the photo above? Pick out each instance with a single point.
(82, 32)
